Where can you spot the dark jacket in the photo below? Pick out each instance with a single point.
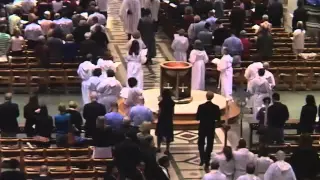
(147, 29)
(103, 137)
(208, 113)
(307, 118)
(220, 35)
(44, 126)
(275, 13)
(278, 114)
(55, 48)
(88, 46)
(79, 32)
(265, 45)
(76, 119)
(90, 113)
(237, 18)
(10, 175)
(300, 14)
(260, 10)
(100, 38)
(10, 112)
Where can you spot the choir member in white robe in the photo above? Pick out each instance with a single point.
(84, 72)
(131, 94)
(215, 173)
(250, 173)
(280, 170)
(180, 45)
(105, 65)
(226, 162)
(136, 36)
(109, 90)
(226, 74)
(134, 64)
(198, 59)
(154, 6)
(94, 80)
(250, 73)
(259, 88)
(268, 75)
(130, 14)
(242, 157)
(262, 162)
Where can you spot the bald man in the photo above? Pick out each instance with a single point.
(9, 125)
(268, 75)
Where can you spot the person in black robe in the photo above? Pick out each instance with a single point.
(9, 125)
(91, 112)
(147, 31)
(305, 160)
(237, 18)
(207, 113)
(308, 115)
(164, 128)
(76, 118)
(29, 115)
(275, 13)
(300, 14)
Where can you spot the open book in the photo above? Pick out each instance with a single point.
(215, 61)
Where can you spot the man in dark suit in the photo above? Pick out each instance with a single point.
(275, 13)
(43, 173)
(277, 116)
(208, 113)
(300, 14)
(9, 112)
(90, 113)
(237, 18)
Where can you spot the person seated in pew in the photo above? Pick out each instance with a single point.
(280, 169)
(308, 116)
(180, 45)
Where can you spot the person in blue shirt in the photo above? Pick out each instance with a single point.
(114, 118)
(139, 113)
(62, 125)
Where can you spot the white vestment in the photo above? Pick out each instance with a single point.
(280, 170)
(130, 21)
(109, 90)
(226, 75)
(141, 44)
(270, 78)
(198, 59)
(105, 65)
(93, 83)
(250, 73)
(154, 6)
(242, 158)
(84, 72)
(248, 177)
(262, 164)
(259, 88)
(214, 175)
(133, 95)
(134, 68)
(226, 167)
(180, 45)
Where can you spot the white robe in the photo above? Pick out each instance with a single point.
(226, 75)
(141, 44)
(280, 170)
(270, 78)
(250, 73)
(105, 65)
(84, 72)
(133, 95)
(242, 158)
(198, 59)
(130, 21)
(109, 90)
(134, 68)
(154, 6)
(262, 164)
(180, 45)
(214, 175)
(226, 167)
(93, 83)
(259, 88)
(248, 177)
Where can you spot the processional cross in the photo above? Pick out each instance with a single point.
(183, 88)
(168, 86)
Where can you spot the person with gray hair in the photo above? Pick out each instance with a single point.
(9, 125)
(280, 169)
(43, 173)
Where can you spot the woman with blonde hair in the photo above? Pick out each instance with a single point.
(102, 139)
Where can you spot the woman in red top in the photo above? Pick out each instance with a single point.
(246, 45)
(187, 17)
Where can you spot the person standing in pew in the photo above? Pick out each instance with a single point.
(275, 13)
(277, 116)
(219, 36)
(235, 47)
(9, 112)
(30, 116)
(207, 113)
(308, 116)
(237, 18)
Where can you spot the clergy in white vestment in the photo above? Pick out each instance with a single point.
(180, 45)
(259, 88)
(130, 14)
(131, 94)
(105, 65)
(242, 157)
(226, 74)
(84, 72)
(226, 162)
(249, 173)
(280, 170)
(198, 58)
(134, 64)
(109, 90)
(94, 80)
(268, 75)
(136, 36)
(250, 73)
(154, 6)
(262, 162)
(215, 173)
